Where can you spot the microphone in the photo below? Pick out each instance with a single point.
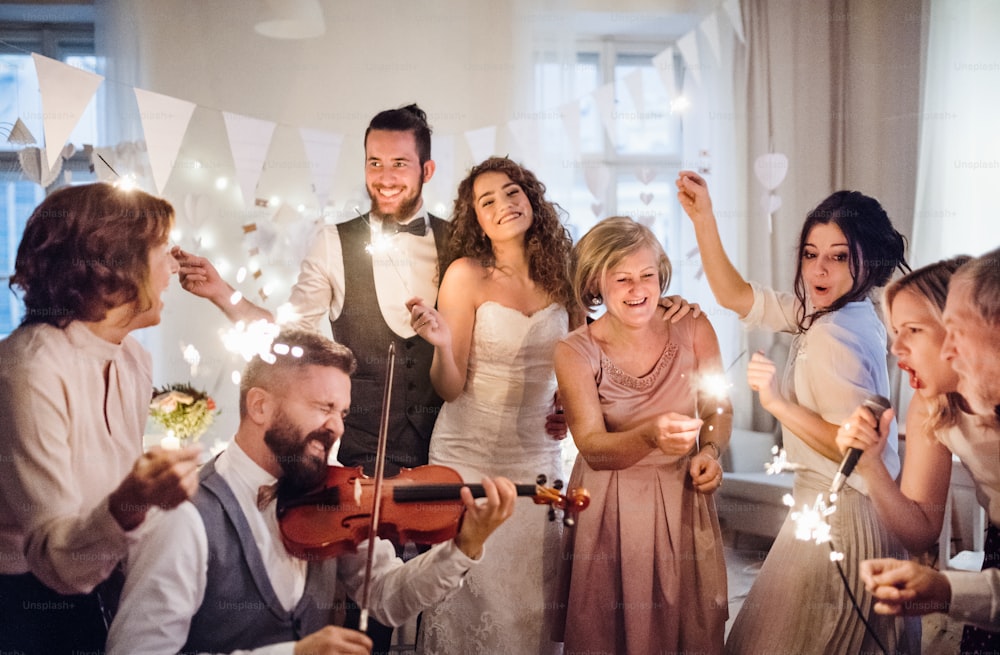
(877, 405)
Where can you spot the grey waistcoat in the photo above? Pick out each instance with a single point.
(362, 328)
(240, 609)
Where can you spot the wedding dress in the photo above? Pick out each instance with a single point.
(497, 428)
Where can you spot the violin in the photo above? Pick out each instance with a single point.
(421, 505)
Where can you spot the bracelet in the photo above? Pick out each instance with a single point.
(718, 453)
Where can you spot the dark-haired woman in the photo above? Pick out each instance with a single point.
(847, 248)
(74, 393)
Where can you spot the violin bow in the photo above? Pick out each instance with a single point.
(383, 438)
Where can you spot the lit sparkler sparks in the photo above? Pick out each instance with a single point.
(810, 522)
(779, 463)
(127, 182)
(192, 357)
(381, 246)
(249, 339)
(708, 388)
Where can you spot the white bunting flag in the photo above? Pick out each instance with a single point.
(688, 47)
(604, 98)
(526, 134)
(710, 28)
(633, 81)
(66, 91)
(164, 122)
(570, 115)
(249, 141)
(735, 14)
(323, 153)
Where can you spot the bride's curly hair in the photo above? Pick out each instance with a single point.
(547, 242)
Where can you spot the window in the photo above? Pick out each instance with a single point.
(72, 43)
(631, 171)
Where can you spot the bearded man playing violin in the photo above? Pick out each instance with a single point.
(215, 575)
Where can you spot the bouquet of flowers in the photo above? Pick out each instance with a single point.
(183, 410)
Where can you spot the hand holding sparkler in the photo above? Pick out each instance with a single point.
(903, 587)
(199, 277)
(674, 434)
(428, 323)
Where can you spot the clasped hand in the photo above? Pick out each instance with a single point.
(164, 478)
(762, 378)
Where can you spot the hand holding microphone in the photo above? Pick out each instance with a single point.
(876, 406)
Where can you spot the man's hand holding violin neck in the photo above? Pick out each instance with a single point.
(483, 517)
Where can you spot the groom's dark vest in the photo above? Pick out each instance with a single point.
(240, 609)
(362, 328)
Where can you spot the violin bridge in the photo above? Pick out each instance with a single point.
(357, 491)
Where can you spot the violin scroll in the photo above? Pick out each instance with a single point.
(571, 503)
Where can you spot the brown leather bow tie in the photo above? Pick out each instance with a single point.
(265, 494)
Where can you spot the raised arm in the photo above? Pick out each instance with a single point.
(914, 510)
(728, 286)
(199, 277)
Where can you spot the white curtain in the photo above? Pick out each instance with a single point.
(959, 163)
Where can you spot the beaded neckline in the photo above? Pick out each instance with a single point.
(645, 382)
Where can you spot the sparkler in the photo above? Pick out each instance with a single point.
(779, 463)
(707, 388)
(381, 245)
(811, 522)
(249, 339)
(192, 357)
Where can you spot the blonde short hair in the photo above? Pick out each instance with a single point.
(604, 246)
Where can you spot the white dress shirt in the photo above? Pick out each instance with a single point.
(166, 572)
(832, 368)
(405, 266)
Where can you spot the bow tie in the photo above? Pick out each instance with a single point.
(265, 494)
(417, 227)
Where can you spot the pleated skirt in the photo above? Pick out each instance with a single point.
(799, 602)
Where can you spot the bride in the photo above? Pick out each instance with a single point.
(504, 302)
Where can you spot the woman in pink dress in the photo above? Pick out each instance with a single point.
(644, 569)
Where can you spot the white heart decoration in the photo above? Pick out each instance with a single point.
(645, 175)
(646, 197)
(771, 169)
(596, 207)
(770, 203)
